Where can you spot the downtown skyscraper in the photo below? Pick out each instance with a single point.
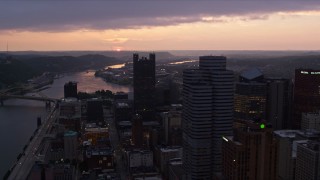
(306, 94)
(207, 116)
(144, 82)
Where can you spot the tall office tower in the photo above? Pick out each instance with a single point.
(279, 103)
(306, 93)
(250, 153)
(70, 90)
(207, 115)
(144, 86)
(308, 161)
(250, 96)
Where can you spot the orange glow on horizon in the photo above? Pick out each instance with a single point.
(277, 31)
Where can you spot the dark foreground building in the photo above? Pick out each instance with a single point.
(279, 103)
(250, 154)
(144, 81)
(70, 90)
(306, 93)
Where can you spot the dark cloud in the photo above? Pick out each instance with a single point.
(71, 15)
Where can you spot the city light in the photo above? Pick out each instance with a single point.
(225, 139)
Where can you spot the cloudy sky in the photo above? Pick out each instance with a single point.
(160, 25)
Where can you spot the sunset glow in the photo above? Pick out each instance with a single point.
(276, 30)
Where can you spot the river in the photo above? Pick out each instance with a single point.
(18, 117)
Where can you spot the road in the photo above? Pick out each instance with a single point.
(114, 140)
(25, 163)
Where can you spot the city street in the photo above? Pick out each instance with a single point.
(25, 163)
(114, 140)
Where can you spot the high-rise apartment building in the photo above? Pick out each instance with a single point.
(207, 116)
(144, 86)
(306, 93)
(250, 153)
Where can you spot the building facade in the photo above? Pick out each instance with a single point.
(207, 115)
(144, 81)
(308, 161)
(310, 121)
(286, 139)
(279, 103)
(71, 145)
(250, 153)
(70, 90)
(250, 96)
(306, 93)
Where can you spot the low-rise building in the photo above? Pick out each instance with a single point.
(164, 155)
(175, 169)
(139, 158)
(99, 158)
(70, 114)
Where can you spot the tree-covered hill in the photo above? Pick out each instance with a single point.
(19, 68)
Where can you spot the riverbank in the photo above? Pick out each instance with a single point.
(18, 117)
(120, 74)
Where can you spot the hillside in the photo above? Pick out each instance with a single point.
(21, 68)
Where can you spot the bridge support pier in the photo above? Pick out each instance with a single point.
(1, 102)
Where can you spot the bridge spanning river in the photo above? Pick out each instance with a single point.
(35, 98)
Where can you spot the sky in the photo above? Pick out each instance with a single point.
(154, 25)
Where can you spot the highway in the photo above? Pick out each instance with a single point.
(25, 163)
(6, 96)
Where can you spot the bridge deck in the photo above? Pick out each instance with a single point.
(5, 96)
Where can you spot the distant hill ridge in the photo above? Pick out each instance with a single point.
(126, 55)
(20, 68)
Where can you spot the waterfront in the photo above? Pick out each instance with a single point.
(18, 117)
(117, 66)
